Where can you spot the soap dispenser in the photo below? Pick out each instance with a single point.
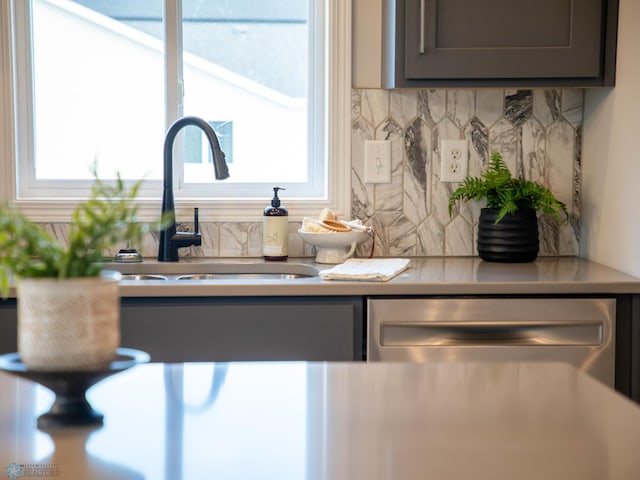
(275, 229)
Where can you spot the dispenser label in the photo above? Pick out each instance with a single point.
(275, 231)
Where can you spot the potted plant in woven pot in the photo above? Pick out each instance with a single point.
(68, 308)
(508, 225)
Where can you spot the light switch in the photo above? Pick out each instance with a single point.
(377, 161)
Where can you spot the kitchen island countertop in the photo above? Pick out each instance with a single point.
(331, 421)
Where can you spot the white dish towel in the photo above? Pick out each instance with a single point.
(376, 270)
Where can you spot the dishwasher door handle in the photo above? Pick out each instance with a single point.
(490, 333)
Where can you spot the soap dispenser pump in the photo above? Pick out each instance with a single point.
(275, 229)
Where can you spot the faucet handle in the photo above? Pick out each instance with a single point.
(195, 220)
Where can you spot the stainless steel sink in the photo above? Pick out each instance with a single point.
(138, 277)
(242, 276)
(208, 271)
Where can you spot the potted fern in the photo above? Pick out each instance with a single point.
(68, 311)
(508, 226)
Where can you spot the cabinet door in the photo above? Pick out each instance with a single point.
(502, 39)
(186, 329)
(8, 326)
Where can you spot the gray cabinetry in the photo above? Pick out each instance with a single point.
(490, 42)
(8, 326)
(244, 328)
(184, 329)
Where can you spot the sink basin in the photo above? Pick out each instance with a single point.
(138, 277)
(242, 276)
(220, 271)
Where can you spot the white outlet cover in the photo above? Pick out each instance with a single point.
(454, 160)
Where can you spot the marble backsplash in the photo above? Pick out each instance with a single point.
(538, 133)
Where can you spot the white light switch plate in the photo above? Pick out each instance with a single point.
(377, 161)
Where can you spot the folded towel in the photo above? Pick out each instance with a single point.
(377, 270)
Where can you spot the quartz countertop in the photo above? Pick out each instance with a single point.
(425, 276)
(331, 421)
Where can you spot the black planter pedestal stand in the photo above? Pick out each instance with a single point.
(71, 407)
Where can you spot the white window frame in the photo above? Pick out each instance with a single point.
(55, 201)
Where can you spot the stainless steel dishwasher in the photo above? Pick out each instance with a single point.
(575, 330)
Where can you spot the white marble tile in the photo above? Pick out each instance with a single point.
(461, 106)
(363, 250)
(430, 237)
(572, 105)
(233, 239)
(567, 240)
(518, 106)
(445, 130)
(149, 245)
(416, 172)
(576, 208)
(533, 151)
(254, 238)
(548, 230)
(432, 105)
(560, 154)
(403, 106)
(489, 105)
(414, 202)
(477, 134)
(210, 239)
(439, 205)
(402, 238)
(384, 227)
(504, 138)
(362, 193)
(374, 106)
(546, 105)
(356, 102)
(417, 143)
(469, 210)
(458, 238)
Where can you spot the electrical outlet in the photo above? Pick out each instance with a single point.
(377, 161)
(454, 160)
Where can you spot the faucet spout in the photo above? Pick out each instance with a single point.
(170, 240)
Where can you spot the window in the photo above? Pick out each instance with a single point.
(197, 151)
(102, 81)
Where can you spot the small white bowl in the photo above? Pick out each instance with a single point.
(333, 247)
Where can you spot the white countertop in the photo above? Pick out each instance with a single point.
(333, 421)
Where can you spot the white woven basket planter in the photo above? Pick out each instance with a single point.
(68, 325)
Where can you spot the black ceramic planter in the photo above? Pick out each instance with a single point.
(513, 240)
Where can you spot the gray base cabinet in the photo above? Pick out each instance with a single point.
(231, 329)
(8, 326)
(244, 329)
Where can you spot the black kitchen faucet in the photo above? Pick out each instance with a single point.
(170, 239)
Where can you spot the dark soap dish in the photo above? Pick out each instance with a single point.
(71, 407)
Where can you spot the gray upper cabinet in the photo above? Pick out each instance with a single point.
(448, 43)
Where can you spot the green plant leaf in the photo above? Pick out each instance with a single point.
(507, 194)
(106, 219)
